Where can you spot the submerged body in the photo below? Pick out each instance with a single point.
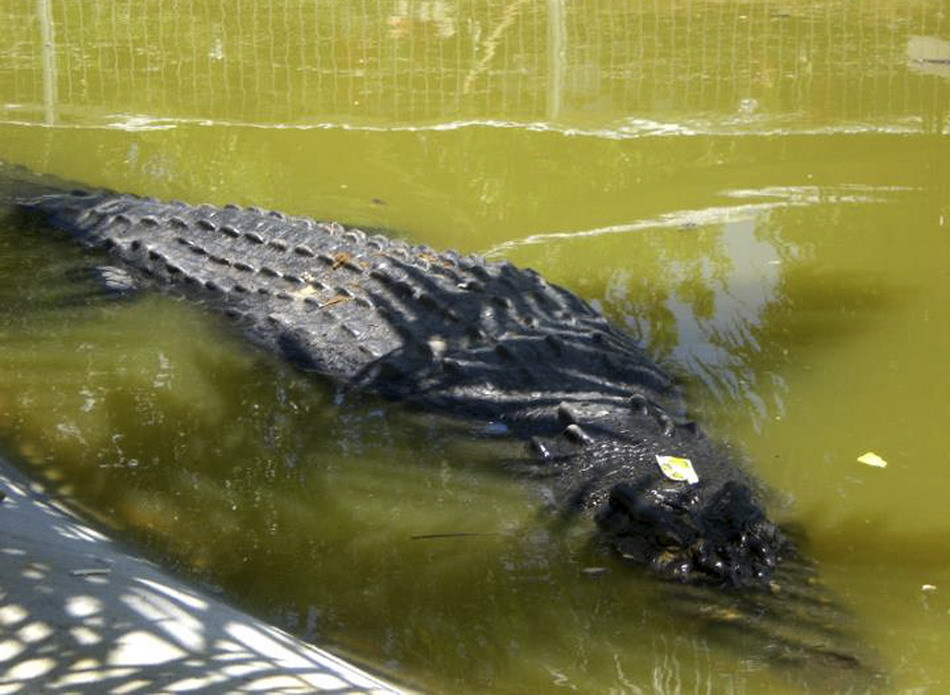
(460, 336)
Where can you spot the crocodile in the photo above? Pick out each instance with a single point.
(460, 336)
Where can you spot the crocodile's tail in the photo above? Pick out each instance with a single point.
(60, 202)
(20, 186)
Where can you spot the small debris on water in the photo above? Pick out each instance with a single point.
(872, 459)
(928, 587)
(594, 571)
(92, 572)
(678, 468)
(451, 534)
(722, 614)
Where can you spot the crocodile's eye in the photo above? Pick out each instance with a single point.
(667, 537)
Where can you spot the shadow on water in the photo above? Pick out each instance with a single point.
(80, 615)
(799, 629)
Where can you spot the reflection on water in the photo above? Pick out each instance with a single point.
(602, 65)
(692, 167)
(706, 283)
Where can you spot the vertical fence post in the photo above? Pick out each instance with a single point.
(557, 56)
(45, 15)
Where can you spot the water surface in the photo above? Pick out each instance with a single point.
(758, 191)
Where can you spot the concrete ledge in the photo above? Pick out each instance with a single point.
(80, 615)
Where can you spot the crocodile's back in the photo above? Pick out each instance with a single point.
(449, 332)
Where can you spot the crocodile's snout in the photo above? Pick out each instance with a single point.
(693, 534)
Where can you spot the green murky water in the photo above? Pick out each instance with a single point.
(760, 191)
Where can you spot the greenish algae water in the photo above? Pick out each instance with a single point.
(759, 191)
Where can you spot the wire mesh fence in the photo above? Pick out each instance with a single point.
(615, 64)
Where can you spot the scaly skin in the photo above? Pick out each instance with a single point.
(456, 335)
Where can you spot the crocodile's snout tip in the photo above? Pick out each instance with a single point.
(693, 534)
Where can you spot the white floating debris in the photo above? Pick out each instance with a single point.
(928, 587)
(872, 459)
(678, 468)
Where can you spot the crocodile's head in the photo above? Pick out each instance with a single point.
(693, 533)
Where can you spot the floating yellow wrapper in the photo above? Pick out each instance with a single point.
(872, 459)
(676, 468)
